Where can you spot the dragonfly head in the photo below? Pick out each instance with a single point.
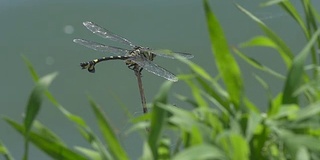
(89, 66)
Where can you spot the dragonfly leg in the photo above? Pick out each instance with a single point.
(131, 66)
(136, 68)
(140, 70)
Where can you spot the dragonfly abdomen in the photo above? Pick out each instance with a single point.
(90, 65)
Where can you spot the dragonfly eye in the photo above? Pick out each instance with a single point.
(88, 65)
(84, 65)
(91, 69)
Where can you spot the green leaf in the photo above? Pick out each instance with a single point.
(259, 41)
(282, 48)
(46, 132)
(158, 118)
(107, 132)
(147, 153)
(250, 106)
(54, 149)
(32, 71)
(275, 105)
(271, 2)
(196, 94)
(94, 141)
(234, 145)
(33, 106)
(293, 142)
(253, 123)
(287, 111)
(289, 8)
(89, 153)
(186, 99)
(214, 89)
(226, 64)
(181, 118)
(84, 129)
(164, 149)
(303, 154)
(195, 68)
(296, 72)
(202, 151)
(36, 98)
(308, 112)
(4, 151)
(258, 65)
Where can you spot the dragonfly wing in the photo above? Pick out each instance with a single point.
(170, 54)
(154, 68)
(102, 48)
(94, 28)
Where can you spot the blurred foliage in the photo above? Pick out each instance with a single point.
(224, 123)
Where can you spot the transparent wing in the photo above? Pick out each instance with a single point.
(102, 48)
(154, 68)
(170, 54)
(94, 28)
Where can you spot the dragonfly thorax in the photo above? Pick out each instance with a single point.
(140, 54)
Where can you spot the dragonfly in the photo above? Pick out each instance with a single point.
(137, 56)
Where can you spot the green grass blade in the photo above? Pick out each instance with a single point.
(146, 152)
(164, 148)
(90, 153)
(214, 89)
(78, 120)
(205, 80)
(46, 132)
(253, 123)
(308, 112)
(158, 118)
(196, 94)
(295, 73)
(182, 118)
(54, 149)
(217, 104)
(294, 141)
(310, 15)
(36, 98)
(234, 145)
(4, 151)
(195, 68)
(109, 136)
(258, 65)
(312, 25)
(283, 49)
(291, 10)
(33, 106)
(32, 71)
(250, 105)
(259, 41)
(226, 64)
(271, 2)
(202, 151)
(314, 13)
(83, 128)
(94, 141)
(186, 99)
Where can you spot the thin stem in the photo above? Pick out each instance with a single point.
(137, 72)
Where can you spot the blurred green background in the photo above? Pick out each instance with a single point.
(43, 32)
